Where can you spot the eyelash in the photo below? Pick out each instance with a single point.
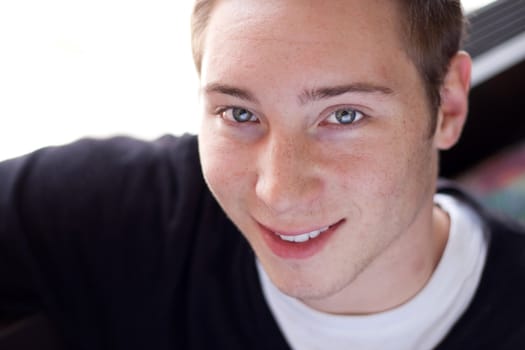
(223, 113)
(226, 113)
(355, 116)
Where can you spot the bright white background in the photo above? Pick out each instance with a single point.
(71, 68)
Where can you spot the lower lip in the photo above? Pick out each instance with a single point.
(304, 250)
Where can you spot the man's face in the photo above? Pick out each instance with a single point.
(315, 119)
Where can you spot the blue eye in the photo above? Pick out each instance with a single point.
(345, 116)
(239, 115)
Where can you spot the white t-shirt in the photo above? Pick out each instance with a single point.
(420, 324)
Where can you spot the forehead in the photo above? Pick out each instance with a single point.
(306, 36)
(302, 16)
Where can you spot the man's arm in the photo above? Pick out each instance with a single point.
(79, 232)
(18, 297)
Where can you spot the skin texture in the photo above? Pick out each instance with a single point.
(293, 168)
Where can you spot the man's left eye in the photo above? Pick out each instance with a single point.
(344, 116)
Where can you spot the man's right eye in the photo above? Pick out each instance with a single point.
(238, 115)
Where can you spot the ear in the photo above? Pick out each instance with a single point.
(453, 110)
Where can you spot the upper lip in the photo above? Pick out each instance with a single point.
(296, 232)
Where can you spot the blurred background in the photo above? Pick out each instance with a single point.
(70, 69)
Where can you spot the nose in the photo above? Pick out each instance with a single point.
(288, 176)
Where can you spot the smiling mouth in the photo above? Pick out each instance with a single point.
(297, 244)
(301, 238)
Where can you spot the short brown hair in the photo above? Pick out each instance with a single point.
(433, 33)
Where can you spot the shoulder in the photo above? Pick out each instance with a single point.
(90, 155)
(103, 181)
(106, 164)
(495, 317)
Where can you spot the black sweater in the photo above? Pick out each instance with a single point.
(122, 245)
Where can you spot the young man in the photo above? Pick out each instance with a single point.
(314, 223)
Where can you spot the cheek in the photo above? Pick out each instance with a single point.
(384, 170)
(224, 166)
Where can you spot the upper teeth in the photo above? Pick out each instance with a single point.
(302, 237)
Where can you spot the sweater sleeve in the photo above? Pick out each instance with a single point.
(85, 231)
(17, 293)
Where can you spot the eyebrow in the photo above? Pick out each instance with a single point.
(307, 95)
(333, 91)
(231, 91)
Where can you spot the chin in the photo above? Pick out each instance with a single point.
(309, 284)
(310, 293)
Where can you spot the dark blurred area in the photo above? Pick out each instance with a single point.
(496, 122)
(496, 119)
(29, 333)
(490, 157)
